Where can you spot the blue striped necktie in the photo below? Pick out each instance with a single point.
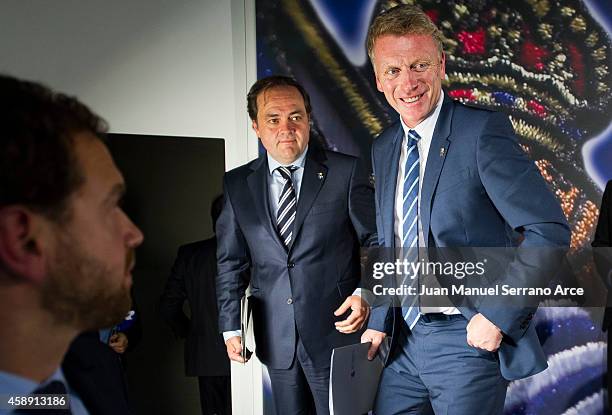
(287, 207)
(410, 219)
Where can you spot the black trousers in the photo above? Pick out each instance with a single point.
(215, 395)
(303, 389)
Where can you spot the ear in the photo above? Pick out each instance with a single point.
(255, 128)
(379, 85)
(21, 243)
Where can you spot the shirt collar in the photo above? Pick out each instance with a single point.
(426, 127)
(299, 162)
(18, 385)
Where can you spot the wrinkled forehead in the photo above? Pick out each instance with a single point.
(408, 46)
(286, 98)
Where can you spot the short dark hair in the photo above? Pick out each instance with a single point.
(268, 83)
(38, 164)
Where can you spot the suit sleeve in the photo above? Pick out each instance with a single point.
(602, 232)
(171, 302)
(522, 197)
(380, 313)
(361, 206)
(233, 265)
(602, 254)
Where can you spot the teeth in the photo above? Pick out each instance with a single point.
(410, 100)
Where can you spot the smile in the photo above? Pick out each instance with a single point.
(412, 99)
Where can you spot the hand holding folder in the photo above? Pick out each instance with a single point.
(353, 380)
(246, 330)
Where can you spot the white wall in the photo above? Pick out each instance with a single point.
(167, 67)
(170, 67)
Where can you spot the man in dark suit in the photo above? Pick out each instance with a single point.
(448, 175)
(95, 366)
(291, 226)
(66, 246)
(96, 373)
(193, 279)
(603, 260)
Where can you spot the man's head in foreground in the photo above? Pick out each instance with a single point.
(66, 246)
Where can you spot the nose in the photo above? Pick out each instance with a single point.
(287, 125)
(133, 234)
(408, 80)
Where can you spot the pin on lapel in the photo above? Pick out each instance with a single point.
(442, 151)
(320, 175)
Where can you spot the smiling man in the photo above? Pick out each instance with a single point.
(291, 226)
(448, 175)
(66, 246)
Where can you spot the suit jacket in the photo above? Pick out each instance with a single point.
(95, 372)
(294, 292)
(478, 190)
(193, 279)
(603, 238)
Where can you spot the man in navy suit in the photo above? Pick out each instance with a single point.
(291, 226)
(448, 175)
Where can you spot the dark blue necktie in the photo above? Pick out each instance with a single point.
(410, 219)
(287, 207)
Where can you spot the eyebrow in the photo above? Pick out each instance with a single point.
(276, 114)
(116, 193)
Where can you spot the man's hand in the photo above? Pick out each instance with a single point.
(118, 342)
(483, 334)
(359, 314)
(234, 349)
(374, 336)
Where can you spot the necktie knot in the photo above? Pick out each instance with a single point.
(413, 137)
(286, 171)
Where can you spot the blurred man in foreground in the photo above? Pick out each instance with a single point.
(66, 246)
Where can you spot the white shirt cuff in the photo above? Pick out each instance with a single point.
(366, 295)
(229, 334)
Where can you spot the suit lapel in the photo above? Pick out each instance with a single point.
(435, 160)
(315, 173)
(258, 186)
(389, 183)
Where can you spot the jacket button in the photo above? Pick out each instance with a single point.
(290, 265)
(289, 301)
